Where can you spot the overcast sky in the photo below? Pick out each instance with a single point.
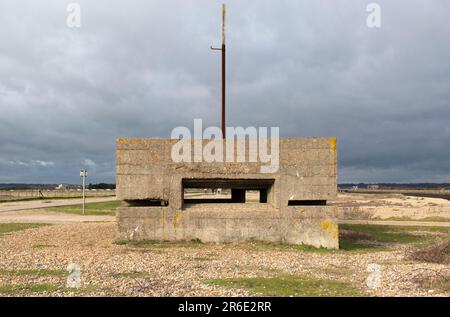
(140, 68)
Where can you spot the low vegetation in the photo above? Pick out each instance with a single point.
(271, 246)
(379, 237)
(33, 273)
(42, 246)
(107, 208)
(15, 289)
(439, 282)
(156, 244)
(6, 228)
(44, 288)
(437, 253)
(289, 285)
(37, 285)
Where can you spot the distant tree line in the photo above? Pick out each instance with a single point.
(102, 186)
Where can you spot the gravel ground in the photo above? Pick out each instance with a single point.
(182, 271)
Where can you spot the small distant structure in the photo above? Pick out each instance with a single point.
(373, 186)
(355, 187)
(61, 187)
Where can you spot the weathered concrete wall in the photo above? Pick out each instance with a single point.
(312, 225)
(307, 171)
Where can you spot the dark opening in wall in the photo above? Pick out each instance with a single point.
(307, 202)
(147, 203)
(201, 191)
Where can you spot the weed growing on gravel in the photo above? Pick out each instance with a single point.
(289, 285)
(41, 246)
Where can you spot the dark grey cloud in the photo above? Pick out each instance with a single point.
(140, 68)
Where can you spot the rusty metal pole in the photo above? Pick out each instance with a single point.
(223, 125)
(223, 70)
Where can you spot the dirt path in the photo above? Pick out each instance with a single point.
(397, 223)
(36, 204)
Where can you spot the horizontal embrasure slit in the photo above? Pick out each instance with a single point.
(307, 202)
(147, 203)
(225, 190)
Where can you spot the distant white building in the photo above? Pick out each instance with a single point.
(61, 187)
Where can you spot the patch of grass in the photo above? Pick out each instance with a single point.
(17, 289)
(436, 219)
(107, 208)
(378, 237)
(289, 285)
(12, 289)
(385, 233)
(310, 248)
(42, 246)
(121, 242)
(358, 241)
(156, 244)
(202, 258)
(6, 228)
(271, 246)
(347, 245)
(38, 273)
(396, 234)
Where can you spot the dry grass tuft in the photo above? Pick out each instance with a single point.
(438, 253)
